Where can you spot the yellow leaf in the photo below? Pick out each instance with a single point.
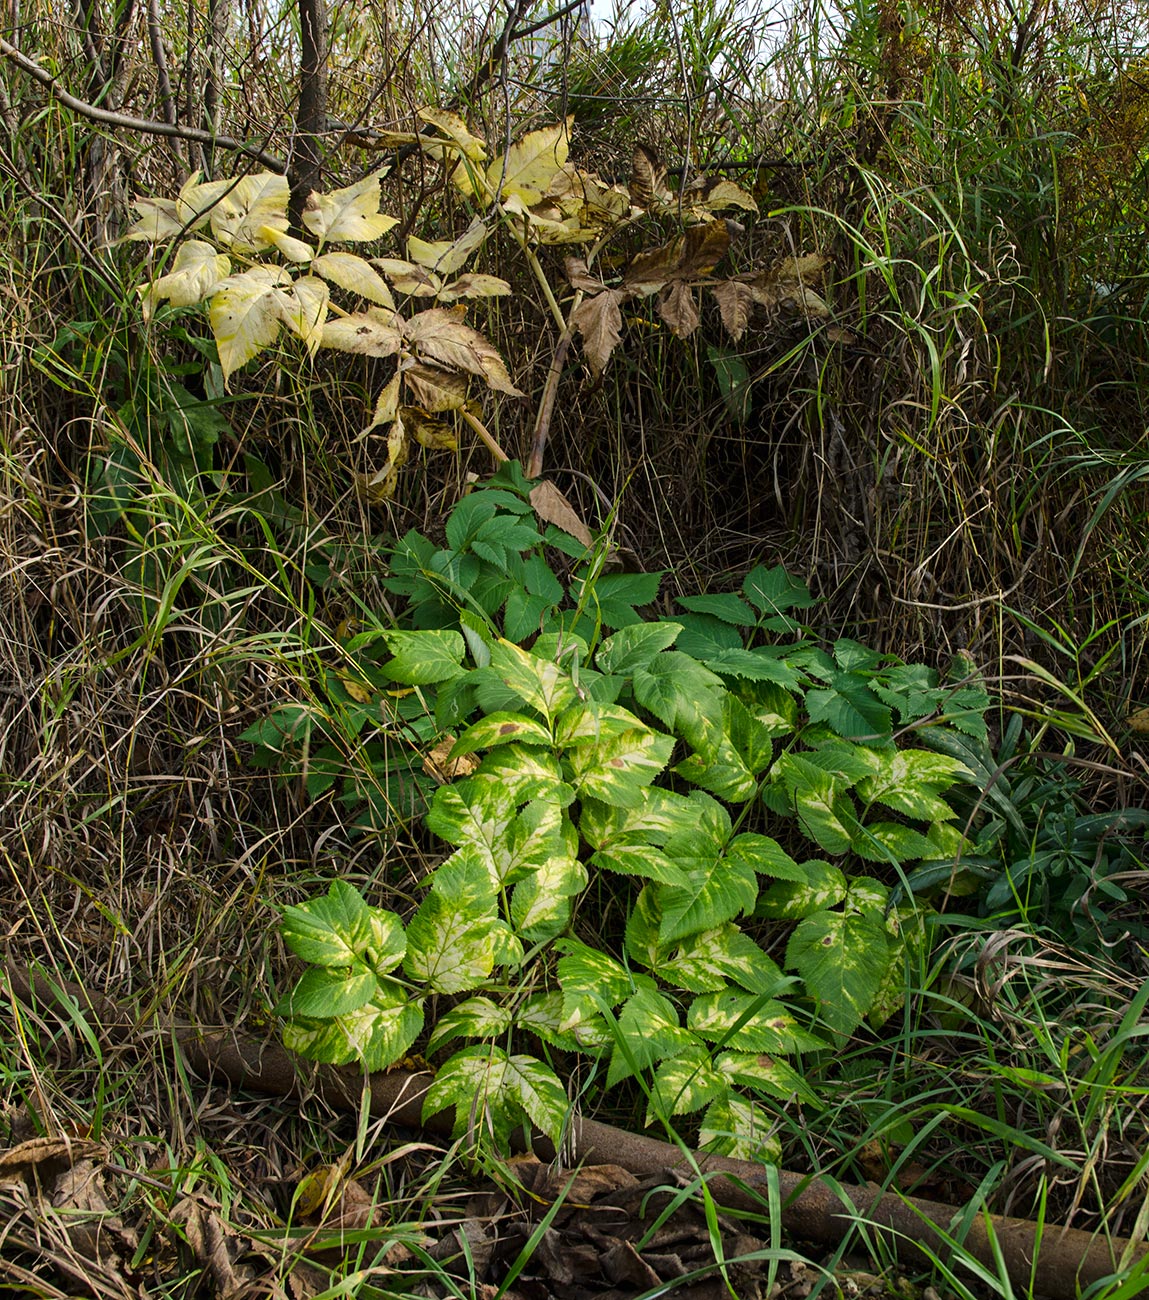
(455, 129)
(529, 165)
(446, 256)
(158, 220)
(245, 315)
(359, 690)
(303, 309)
(801, 268)
(1139, 720)
(474, 286)
(380, 485)
(409, 278)
(430, 433)
(196, 271)
(295, 250)
(195, 199)
(387, 407)
(351, 215)
(243, 210)
(356, 275)
(374, 333)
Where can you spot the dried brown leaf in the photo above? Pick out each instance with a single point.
(45, 1158)
(808, 267)
(580, 277)
(735, 303)
(427, 431)
(552, 507)
(692, 254)
(440, 335)
(647, 178)
(441, 767)
(215, 1246)
(434, 389)
(93, 1229)
(678, 309)
(599, 321)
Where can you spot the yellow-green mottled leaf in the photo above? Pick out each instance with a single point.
(349, 215)
(196, 271)
(245, 315)
(243, 211)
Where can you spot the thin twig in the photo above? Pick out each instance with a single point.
(145, 126)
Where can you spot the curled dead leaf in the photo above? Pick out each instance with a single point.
(552, 507)
(441, 767)
(678, 309)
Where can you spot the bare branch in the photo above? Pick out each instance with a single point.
(145, 126)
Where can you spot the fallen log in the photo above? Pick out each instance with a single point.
(1044, 1260)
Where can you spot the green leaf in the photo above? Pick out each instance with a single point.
(643, 925)
(487, 1086)
(594, 721)
(329, 931)
(501, 729)
(768, 1074)
(728, 607)
(910, 780)
(538, 682)
(762, 665)
(842, 957)
(639, 859)
(475, 1018)
(526, 774)
(545, 1016)
(648, 1031)
(658, 815)
(450, 943)
(377, 1034)
(765, 856)
(748, 1022)
(890, 842)
(822, 886)
(704, 636)
(670, 687)
(770, 705)
(589, 978)
(324, 992)
(739, 1129)
(633, 647)
(824, 812)
(706, 963)
(773, 591)
(731, 750)
(425, 658)
(541, 903)
(617, 769)
(684, 1084)
(851, 710)
(717, 890)
(476, 812)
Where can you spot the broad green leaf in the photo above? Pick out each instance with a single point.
(196, 271)
(765, 856)
(616, 770)
(732, 750)
(450, 939)
(851, 709)
(589, 977)
(332, 930)
(747, 1022)
(728, 607)
(718, 890)
(377, 1034)
(489, 1088)
(594, 721)
(634, 647)
(538, 682)
(755, 666)
(648, 1031)
(703, 636)
(671, 685)
(425, 658)
(769, 704)
(910, 780)
(708, 961)
(852, 763)
(476, 1018)
(639, 860)
(388, 941)
(527, 774)
(658, 815)
(842, 957)
(325, 992)
(739, 1129)
(684, 1084)
(643, 926)
(768, 1074)
(476, 812)
(824, 812)
(890, 842)
(773, 591)
(501, 729)
(349, 215)
(545, 1016)
(541, 902)
(822, 886)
